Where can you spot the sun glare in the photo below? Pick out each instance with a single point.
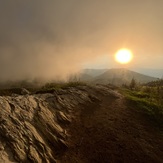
(123, 56)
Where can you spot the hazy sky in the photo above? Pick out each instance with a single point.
(53, 38)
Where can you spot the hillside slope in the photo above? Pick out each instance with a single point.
(94, 72)
(79, 124)
(121, 76)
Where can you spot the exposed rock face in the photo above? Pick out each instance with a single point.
(33, 127)
(81, 124)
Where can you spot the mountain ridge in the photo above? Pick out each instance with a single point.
(116, 76)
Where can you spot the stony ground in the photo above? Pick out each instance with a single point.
(112, 131)
(76, 125)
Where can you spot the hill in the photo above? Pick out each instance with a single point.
(158, 73)
(84, 77)
(94, 72)
(121, 76)
(77, 123)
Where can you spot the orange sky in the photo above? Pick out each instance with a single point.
(53, 38)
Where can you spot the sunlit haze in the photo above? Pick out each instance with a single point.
(123, 56)
(52, 39)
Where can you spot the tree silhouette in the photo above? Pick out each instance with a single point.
(132, 84)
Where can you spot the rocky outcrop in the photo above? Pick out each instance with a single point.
(33, 128)
(76, 124)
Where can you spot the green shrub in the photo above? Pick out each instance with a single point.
(143, 102)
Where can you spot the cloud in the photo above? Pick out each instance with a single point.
(51, 39)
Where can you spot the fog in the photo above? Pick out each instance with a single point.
(54, 38)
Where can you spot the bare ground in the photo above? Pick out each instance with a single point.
(109, 130)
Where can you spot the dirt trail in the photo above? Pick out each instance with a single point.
(111, 131)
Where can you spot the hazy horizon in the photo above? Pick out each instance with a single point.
(52, 39)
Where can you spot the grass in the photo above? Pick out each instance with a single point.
(143, 101)
(47, 88)
(51, 87)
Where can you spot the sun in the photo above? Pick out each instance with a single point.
(123, 56)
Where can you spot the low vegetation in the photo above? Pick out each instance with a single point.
(46, 88)
(51, 87)
(147, 99)
(155, 83)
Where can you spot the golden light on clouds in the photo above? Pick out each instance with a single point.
(123, 56)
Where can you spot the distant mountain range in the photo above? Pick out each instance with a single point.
(158, 73)
(113, 76)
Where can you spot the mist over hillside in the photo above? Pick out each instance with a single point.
(53, 39)
(113, 76)
(158, 73)
(94, 72)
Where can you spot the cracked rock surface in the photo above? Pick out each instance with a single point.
(33, 127)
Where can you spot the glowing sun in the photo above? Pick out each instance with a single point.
(123, 56)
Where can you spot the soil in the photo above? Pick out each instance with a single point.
(111, 131)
